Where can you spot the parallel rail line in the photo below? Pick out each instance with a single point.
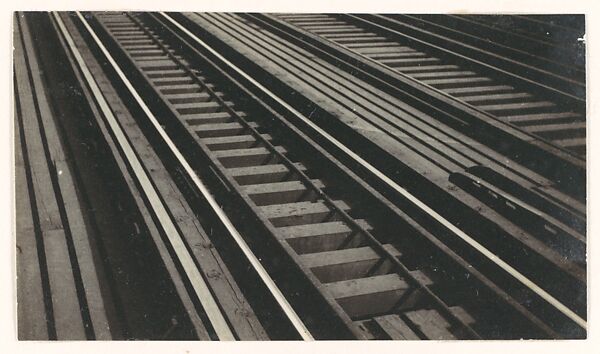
(342, 89)
(203, 292)
(233, 26)
(556, 120)
(531, 285)
(377, 272)
(226, 138)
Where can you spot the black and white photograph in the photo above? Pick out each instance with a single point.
(299, 176)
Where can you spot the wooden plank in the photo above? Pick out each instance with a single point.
(516, 107)
(395, 56)
(201, 107)
(377, 46)
(327, 236)
(298, 213)
(349, 263)
(398, 63)
(258, 174)
(134, 312)
(320, 100)
(336, 36)
(245, 157)
(390, 48)
(456, 82)
(325, 31)
(483, 99)
(542, 117)
(31, 310)
(368, 296)
(478, 89)
(465, 147)
(566, 127)
(77, 229)
(230, 297)
(423, 69)
(279, 192)
(395, 328)
(440, 74)
(431, 324)
(67, 320)
(345, 256)
(166, 222)
(573, 142)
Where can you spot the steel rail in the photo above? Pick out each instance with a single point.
(388, 181)
(451, 105)
(254, 261)
(353, 224)
(376, 21)
(192, 272)
(300, 36)
(497, 46)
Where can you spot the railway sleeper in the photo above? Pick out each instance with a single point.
(375, 295)
(416, 325)
(274, 193)
(349, 263)
(323, 237)
(363, 281)
(247, 157)
(476, 87)
(190, 98)
(180, 89)
(262, 173)
(234, 142)
(543, 118)
(219, 130)
(200, 107)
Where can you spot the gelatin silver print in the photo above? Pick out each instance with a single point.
(299, 176)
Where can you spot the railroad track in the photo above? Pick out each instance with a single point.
(531, 40)
(379, 273)
(492, 180)
(217, 319)
(361, 276)
(536, 108)
(279, 201)
(333, 85)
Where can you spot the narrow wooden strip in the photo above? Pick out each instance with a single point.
(78, 232)
(65, 303)
(198, 283)
(31, 311)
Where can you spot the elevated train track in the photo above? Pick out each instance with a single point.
(548, 105)
(523, 101)
(321, 242)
